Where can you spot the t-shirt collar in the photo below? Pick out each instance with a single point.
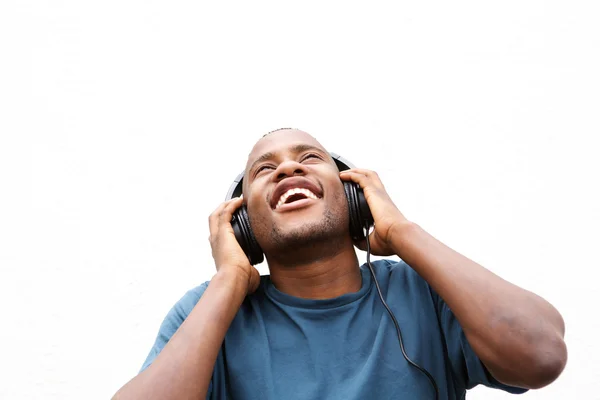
(279, 297)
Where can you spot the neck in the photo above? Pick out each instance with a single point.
(321, 274)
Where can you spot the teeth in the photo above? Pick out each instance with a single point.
(290, 192)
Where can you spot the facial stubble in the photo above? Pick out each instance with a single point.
(330, 230)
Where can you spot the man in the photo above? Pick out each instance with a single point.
(316, 329)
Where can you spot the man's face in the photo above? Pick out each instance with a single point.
(293, 193)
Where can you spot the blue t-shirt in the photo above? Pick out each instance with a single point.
(284, 347)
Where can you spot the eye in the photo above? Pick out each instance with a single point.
(261, 168)
(310, 155)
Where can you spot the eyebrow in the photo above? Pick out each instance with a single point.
(299, 148)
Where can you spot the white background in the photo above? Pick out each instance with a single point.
(123, 124)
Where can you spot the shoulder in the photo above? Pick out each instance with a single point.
(174, 318)
(395, 269)
(196, 292)
(391, 265)
(399, 275)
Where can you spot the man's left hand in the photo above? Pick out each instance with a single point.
(386, 215)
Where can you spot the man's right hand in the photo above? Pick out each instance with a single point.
(230, 259)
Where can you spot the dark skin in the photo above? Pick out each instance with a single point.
(311, 267)
(517, 334)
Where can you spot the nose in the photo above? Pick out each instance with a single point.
(289, 168)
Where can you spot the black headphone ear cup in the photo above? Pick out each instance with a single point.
(355, 231)
(366, 218)
(245, 237)
(358, 211)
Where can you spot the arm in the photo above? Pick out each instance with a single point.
(184, 367)
(516, 334)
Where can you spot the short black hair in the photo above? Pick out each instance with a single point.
(278, 129)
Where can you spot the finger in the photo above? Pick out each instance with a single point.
(364, 178)
(366, 172)
(363, 171)
(360, 171)
(228, 210)
(215, 218)
(213, 221)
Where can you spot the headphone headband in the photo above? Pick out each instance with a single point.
(235, 190)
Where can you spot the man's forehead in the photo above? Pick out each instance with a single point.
(280, 141)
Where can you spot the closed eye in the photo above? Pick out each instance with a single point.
(262, 167)
(310, 155)
(304, 158)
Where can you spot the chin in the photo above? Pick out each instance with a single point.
(300, 223)
(305, 231)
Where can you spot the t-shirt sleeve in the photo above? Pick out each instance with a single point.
(467, 368)
(175, 317)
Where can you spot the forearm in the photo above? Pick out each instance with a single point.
(517, 334)
(183, 369)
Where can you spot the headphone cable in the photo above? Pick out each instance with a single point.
(423, 370)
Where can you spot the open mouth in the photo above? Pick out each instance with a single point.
(295, 195)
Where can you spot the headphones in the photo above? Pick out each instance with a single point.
(360, 215)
